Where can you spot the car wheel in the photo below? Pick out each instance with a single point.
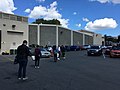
(88, 54)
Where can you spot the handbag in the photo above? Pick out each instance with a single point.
(33, 58)
(16, 60)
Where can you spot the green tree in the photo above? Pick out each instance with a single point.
(118, 38)
(42, 21)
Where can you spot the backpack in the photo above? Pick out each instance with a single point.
(55, 51)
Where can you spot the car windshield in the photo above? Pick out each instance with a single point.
(115, 48)
(94, 47)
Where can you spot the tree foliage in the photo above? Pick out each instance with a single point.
(111, 39)
(118, 38)
(42, 21)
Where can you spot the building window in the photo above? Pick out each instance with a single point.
(12, 17)
(13, 27)
(5, 16)
(19, 18)
(25, 19)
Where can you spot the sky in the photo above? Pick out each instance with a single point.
(99, 16)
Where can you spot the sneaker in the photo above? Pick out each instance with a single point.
(19, 78)
(58, 59)
(35, 66)
(25, 78)
(38, 67)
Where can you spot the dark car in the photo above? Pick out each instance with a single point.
(67, 48)
(74, 48)
(94, 50)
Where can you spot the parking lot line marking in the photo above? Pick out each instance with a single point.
(7, 58)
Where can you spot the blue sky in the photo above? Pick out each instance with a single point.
(100, 16)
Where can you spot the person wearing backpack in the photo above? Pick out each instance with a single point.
(59, 52)
(55, 51)
(63, 52)
(37, 56)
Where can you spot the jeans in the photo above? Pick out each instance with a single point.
(22, 68)
(55, 57)
(37, 59)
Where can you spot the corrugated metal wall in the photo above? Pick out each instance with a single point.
(47, 35)
(88, 39)
(64, 36)
(33, 34)
(77, 38)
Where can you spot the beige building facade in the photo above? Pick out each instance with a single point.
(13, 30)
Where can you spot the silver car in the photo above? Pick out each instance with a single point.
(45, 53)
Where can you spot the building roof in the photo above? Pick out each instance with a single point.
(86, 31)
(13, 17)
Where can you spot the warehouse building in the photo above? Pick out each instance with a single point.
(13, 30)
(97, 38)
(44, 34)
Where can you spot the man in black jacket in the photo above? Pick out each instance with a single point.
(22, 56)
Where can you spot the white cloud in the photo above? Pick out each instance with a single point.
(101, 24)
(64, 22)
(52, 12)
(74, 13)
(116, 1)
(78, 25)
(101, 1)
(53, 5)
(40, 1)
(48, 13)
(86, 19)
(37, 12)
(108, 1)
(28, 10)
(7, 6)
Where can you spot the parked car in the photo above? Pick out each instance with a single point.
(107, 50)
(67, 48)
(45, 53)
(32, 51)
(74, 48)
(94, 50)
(103, 47)
(85, 47)
(115, 51)
(49, 48)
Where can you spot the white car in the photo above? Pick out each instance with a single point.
(45, 53)
(85, 47)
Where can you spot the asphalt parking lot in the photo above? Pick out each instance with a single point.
(77, 72)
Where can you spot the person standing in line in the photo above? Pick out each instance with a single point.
(63, 52)
(59, 52)
(37, 56)
(55, 51)
(22, 56)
